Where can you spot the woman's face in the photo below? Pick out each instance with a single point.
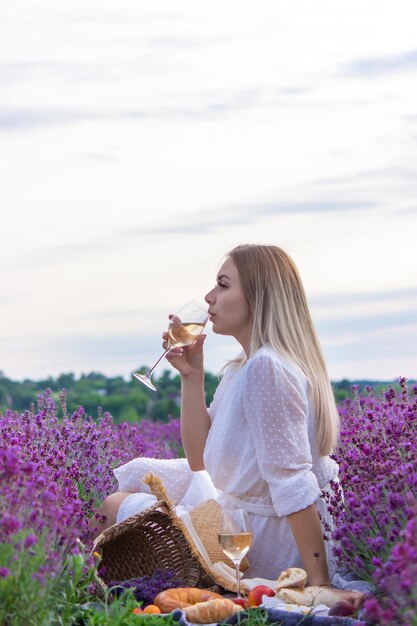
(228, 308)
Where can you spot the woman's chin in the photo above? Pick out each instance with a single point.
(218, 331)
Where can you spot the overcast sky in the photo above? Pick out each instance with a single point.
(140, 141)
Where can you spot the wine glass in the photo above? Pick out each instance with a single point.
(183, 329)
(235, 537)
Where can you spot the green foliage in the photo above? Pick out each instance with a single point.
(256, 616)
(120, 613)
(69, 598)
(28, 597)
(126, 401)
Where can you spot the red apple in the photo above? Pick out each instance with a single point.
(255, 594)
(342, 609)
(243, 602)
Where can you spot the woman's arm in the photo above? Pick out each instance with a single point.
(308, 534)
(195, 420)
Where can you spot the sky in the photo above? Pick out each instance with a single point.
(140, 141)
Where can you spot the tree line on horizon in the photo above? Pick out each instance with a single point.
(127, 400)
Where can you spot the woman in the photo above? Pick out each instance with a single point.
(266, 438)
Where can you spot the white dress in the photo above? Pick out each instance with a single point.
(261, 454)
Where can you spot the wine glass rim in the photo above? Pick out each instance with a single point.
(196, 303)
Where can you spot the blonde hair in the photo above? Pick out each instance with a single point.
(280, 316)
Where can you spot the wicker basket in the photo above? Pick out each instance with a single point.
(155, 539)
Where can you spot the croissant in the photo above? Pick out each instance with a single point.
(213, 611)
(182, 597)
(293, 577)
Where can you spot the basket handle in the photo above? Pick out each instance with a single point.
(157, 488)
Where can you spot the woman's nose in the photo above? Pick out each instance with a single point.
(208, 297)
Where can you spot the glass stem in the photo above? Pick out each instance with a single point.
(237, 564)
(149, 374)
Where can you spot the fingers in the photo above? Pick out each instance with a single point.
(200, 340)
(174, 353)
(358, 600)
(198, 343)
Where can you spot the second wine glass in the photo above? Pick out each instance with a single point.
(235, 537)
(183, 329)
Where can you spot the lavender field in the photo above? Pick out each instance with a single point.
(55, 469)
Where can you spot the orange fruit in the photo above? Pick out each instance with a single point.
(151, 609)
(137, 611)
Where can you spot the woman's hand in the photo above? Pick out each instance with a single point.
(188, 360)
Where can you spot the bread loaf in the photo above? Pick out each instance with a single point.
(293, 577)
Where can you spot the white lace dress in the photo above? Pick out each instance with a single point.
(261, 454)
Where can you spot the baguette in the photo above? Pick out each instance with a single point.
(310, 596)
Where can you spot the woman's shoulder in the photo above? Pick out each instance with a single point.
(267, 362)
(267, 355)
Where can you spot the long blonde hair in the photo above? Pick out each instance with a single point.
(280, 316)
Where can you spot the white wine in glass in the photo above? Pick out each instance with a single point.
(235, 537)
(184, 328)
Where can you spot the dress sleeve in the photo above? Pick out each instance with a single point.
(276, 408)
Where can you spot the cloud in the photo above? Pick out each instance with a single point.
(409, 211)
(103, 346)
(13, 72)
(210, 106)
(393, 295)
(137, 313)
(100, 157)
(376, 174)
(12, 299)
(358, 329)
(314, 206)
(387, 346)
(184, 226)
(180, 43)
(204, 222)
(21, 119)
(343, 318)
(56, 254)
(213, 107)
(381, 66)
(34, 357)
(367, 323)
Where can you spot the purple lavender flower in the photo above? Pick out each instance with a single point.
(396, 579)
(378, 472)
(146, 589)
(54, 472)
